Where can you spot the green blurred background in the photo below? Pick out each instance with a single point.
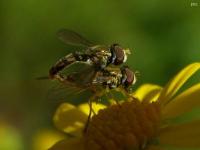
(163, 36)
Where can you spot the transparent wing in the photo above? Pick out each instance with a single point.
(66, 92)
(77, 83)
(70, 37)
(84, 76)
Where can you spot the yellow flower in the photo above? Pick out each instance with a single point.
(45, 138)
(157, 119)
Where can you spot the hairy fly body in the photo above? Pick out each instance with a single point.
(98, 55)
(97, 68)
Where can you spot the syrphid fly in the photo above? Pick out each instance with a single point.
(97, 82)
(98, 55)
(97, 68)
(108, 78)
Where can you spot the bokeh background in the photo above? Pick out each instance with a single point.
(163, 36)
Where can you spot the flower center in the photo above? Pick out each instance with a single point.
(130, 125)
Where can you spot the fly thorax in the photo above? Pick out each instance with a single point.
(104, 62)
(104, 57)
(115, 81)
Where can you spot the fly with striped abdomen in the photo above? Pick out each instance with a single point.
(98, 55)
(98, 68)
(98, 82)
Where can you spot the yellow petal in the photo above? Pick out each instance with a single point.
(175, 83)
(70, 119)
(95, 106)
(185, 135)
(69, 144)
(184, 102)
(147, 92)
(45, 138)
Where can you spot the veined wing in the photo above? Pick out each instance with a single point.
(70, 37)
(78, 79)
(62, 92)
(82, 76)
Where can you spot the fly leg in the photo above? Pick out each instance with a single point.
(116, 101)
(89, 116)
(127, 94)
(91, 110)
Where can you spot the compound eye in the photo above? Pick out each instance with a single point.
(130, 77)
(119, 55)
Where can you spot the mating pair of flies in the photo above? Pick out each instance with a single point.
(99, 67)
